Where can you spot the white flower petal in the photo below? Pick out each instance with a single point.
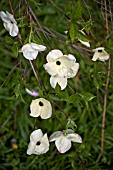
(95, 56)
(11, 17)
(43, 147)
(32, 93)
(8, 26)
(62, 81)
(38, 47)
(46, 110)
(4, 17)
(68, 131)
(28, 52)
(53, 81)
(53, 55)
(55, 135)
(36, 136)
(73, 70)
(45, 140)
(35, 108)
(31, 148)
(74, 137)
(71, 57)
(51, 68)
(87, 44)
(14, 30)
(63, 144)
(99, 48)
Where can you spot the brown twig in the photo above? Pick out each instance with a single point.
(106, 87)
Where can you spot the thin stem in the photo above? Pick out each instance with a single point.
(106, 87)
(35, 74)
(82, 162)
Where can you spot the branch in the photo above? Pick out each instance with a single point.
(106, 87)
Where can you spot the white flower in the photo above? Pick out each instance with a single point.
(10, 23)
(63, 139)
(60, 67)
(32, 93)
(41, 107)
(30, 50)
(38, 137)
(87, 44)
(100, 54)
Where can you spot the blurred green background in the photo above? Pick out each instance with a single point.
(82, 100)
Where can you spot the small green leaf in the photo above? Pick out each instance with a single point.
(9, 40)
(63, 96)
(77, 11)
(82, 37)
(96, 83)
(15, 50)
(87, 96)
(72, 32)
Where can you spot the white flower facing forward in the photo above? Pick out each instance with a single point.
(9, 23)
(32, 93)
(60, 67)
(41, 107)
(35, 138)
(30, 50)
(100, 54)
(63, 139)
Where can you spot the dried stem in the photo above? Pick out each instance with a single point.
(106, 87)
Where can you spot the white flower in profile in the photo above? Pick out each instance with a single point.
(9, 23)
(32, 93)
(63, 139)
(100, 54)
(39, 143)
(41, 107)
(30, 50)
(87, 44)
(60, 67)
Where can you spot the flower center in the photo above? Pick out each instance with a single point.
(58, 63)
(99, 51)
(40, 103)
(38, 143)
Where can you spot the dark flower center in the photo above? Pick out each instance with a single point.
(38, 143)
(40, 103)
(99, 51)
(58, 63)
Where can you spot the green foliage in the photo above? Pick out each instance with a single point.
(79, 106)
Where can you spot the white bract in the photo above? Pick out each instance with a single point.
(9, 23)
(41, 107)
(60, 67)
(32, 93)
(87, 44)
(38, 137)
(100, 54)
(63, 139)
(30, 50)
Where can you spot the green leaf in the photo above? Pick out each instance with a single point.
(72, 32)
(15, 50)
(87, 96)
(63, 96)
(73, 98)
(77, 11)
(82, 37)
(9, 40)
